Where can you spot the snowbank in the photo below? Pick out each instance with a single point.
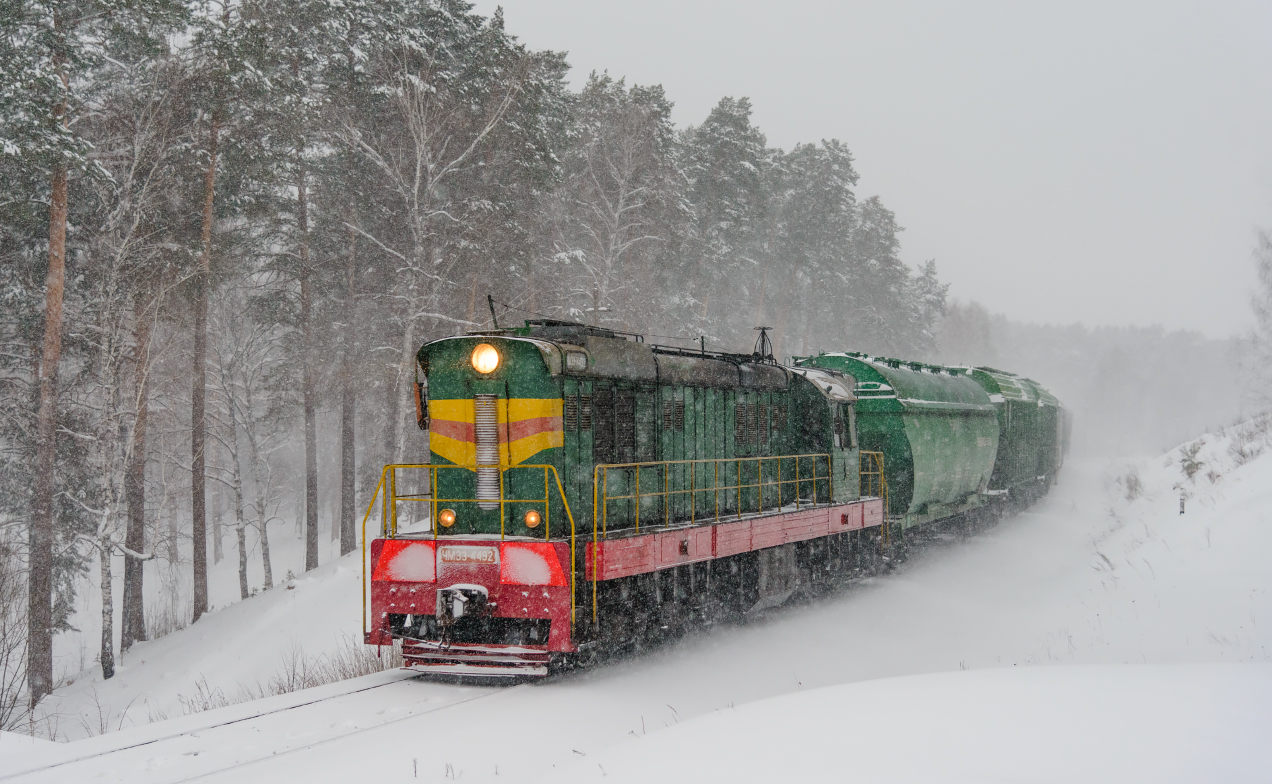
(1156, 723)
(230, 653)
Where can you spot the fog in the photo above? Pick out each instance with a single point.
(1091, 175)
(1132, 390)
(1063, 162)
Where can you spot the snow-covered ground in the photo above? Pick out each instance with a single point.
(1100, 636)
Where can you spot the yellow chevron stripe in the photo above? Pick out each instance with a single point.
(524, 448)
(465, 453)
(458, 452)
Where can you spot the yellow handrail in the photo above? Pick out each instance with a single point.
(871, 466)
(386, 493)
(601, 497)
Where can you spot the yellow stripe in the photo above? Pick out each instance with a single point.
(524, 448)
(463, 409)
(458, 452)
(529, 407)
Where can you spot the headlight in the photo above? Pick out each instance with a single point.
(485, 358)
(533, 519)
(446, 518)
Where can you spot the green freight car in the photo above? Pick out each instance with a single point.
(1030, 432)
(936, 428)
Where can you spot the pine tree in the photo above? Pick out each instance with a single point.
(814, 211)
(725, 161)
(47, 48)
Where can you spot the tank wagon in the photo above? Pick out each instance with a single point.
(587, 491)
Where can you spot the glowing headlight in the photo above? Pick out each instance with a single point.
(485, 358)
(533, 519)
(446, 518)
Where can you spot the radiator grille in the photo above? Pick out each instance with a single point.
(487, 438)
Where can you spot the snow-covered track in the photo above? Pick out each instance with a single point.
(226, 742)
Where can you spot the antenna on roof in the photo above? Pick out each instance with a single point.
(491, 302)
(764, 347)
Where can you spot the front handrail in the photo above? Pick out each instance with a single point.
(386, 493)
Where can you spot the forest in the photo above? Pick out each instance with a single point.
(225, 228)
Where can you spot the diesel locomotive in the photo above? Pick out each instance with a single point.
(587, 491)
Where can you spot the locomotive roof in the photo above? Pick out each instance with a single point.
(609, 355)
(913, 386)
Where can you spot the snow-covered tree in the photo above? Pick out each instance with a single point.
(47, 51)
(619, 212)
(725, 161)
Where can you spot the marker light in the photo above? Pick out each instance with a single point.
(446, 517)
(533, 519)
(485, 358)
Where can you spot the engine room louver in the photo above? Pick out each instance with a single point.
(571, 412)
(487, 442)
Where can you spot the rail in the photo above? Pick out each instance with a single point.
(388, 497)
(875, 485)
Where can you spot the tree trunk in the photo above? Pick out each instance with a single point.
(240, 527)
(348, 477)
(108, 611)
(218, 531)
(133, 622)
(198, 424)
(402, 388)
(258, 486)
(40, 619)
(236, 481)
(307, 381)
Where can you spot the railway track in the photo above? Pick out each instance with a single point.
(217, 741)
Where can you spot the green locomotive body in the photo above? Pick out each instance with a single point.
(579, 397)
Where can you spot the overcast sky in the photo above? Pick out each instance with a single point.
(1097, 162)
